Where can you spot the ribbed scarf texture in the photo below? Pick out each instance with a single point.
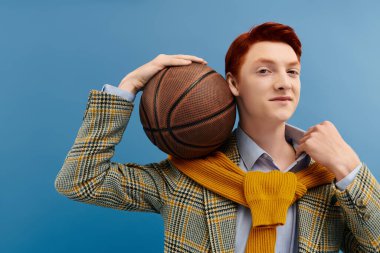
(267, 194)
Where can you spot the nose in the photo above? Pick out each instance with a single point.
(284, 82)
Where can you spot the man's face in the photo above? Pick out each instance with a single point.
(261, 81)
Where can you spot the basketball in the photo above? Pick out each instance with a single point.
(187, 111)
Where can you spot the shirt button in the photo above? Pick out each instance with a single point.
(366, 216)
(360, 202)
(333, 200)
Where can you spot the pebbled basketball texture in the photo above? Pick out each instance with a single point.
(187, 111)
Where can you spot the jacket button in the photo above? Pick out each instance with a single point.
(366, 216)
(360, 202)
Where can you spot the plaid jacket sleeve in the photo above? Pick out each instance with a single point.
(88, 174)
(360, 202)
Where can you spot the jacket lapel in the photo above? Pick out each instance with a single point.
(311, 215)
(220, 211)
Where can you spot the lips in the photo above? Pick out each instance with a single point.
(281, 98)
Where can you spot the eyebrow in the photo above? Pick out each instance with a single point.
(264, 60)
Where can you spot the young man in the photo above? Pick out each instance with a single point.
(261, 65)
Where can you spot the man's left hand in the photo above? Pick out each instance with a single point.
(326, 146)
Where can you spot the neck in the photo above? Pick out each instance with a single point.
(270, 137)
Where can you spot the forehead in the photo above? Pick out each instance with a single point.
(272, 53)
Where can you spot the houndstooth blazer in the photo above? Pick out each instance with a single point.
(195, 218)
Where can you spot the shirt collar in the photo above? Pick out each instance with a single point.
(250, 151)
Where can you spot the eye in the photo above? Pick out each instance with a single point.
(263, 71)
(294, 72)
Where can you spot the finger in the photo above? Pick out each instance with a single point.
(187, 56)
(190, 57)
(299, 149)
(305, 137)
(178, 62)
(311, 129)
(307, 134)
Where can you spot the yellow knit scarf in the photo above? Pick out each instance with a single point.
(267, 194)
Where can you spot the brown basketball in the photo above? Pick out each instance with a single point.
(187, 111)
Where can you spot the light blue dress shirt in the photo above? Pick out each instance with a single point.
(253, 157)
(119, 92)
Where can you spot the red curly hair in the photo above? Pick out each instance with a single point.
(268, 31)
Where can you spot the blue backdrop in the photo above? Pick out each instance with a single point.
(54, 52)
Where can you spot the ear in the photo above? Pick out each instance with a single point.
(232, 84)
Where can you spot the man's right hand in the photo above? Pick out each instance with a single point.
(136, 80)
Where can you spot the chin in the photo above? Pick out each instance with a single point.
(283, 117)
